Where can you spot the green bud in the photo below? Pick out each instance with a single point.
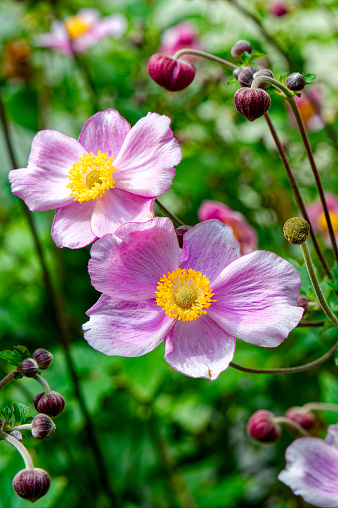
(296, 230)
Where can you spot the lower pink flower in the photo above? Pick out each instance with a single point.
(197, 300)
(317, 217)
(312, 469)
(245, 234)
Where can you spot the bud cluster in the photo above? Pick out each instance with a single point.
(41, 360)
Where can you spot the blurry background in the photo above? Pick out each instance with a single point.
(168, 440)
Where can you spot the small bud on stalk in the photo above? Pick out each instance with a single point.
(246, 75)
(180, 232)
(29, 367)
(51, 404)
(251, 103)
(174, 75)
(295, 82)
(240, 47)
(31, 484)
(262, 428)
(42, 426)
(263, 72)
(305, 418)
(17, 434)
(43, 358)
(302, 301)
(296, 230)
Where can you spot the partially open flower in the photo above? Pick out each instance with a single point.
(174, 75)
(51, 404)
(252, 104)
(42, 426)
(262, 428)
(305, 418)
(31, 484)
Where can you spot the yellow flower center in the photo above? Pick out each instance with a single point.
(323, 224)
(91, 176)
(76, 26)
(184, 294)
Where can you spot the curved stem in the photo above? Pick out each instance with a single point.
(168, 213)
(291, 423)
(8, 378)
(26, 426)
(20, 447)
(43, 383)
(320, 406)
(203, 54)
(310, 323)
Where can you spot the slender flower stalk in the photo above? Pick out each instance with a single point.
(320, 406)
(43, 383)
(25, 426)
(169, 214)
(20, 447)
(311, 323)
(292, 424)
(203, 54)
(8, 378)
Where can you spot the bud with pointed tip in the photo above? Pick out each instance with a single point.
(180, 232)
(263, 72)
(240, 47)
(245, 77)
(43, 358)
(29, 367)
(174, 75)
(31, 484)
(296, 230)
(51, 404)
(305, 418)
(42, 426)
(262, 428)
(17, 434)
(251, 103)
(295, 82)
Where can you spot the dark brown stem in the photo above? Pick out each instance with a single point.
(168, 213)
(8, 378)
(311, 323)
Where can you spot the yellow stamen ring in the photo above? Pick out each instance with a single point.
(91, 176)
(184, 294)
(323, 224)
(76, 26)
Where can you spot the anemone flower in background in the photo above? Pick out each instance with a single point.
(307, 107)
(112, 175)
(278, 9)
(82, 31)
(317, 217)
(182, 35)
(245, 234)
(197, 300)
(312, 469)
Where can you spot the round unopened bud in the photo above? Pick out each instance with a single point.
(180, 232)
(236, 72)
(251, 103)
(31, 484)
(245, 77)
(240, 47)
(17, 434)
(174, 75)
(261, 427)
(303, 302)
(42, 426)
(278, 9)
(43, 358)
(263, 72)
(51, 404)
(305, 418)
(296, 230)
(295, 82)
(29, 367)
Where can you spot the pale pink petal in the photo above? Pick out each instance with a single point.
(146, 159)
(104, 131)
(110, 26)
(208, 247)
(130, 264)
(332, 436)
(199, 348)
(43, 184)
(125, 328)
(57, 39)
(116, 207)
(89, 15)
(71, 226)
(257, 299)
(312, 471)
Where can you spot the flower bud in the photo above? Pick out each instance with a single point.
(278, 9)
(240, 47)
(263, 72)
(251, 103)
(306, 419)
(31, 484)
(51, 404)
(295, 82)
(245, 77)
(261, 427)
(173, 75)
(29, 367)
(180, 232)
(42, 426)
(17, 434)
(296, 230)
(236, 72)
(43, 358)
(302, 301)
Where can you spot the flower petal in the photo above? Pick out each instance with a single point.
(104, 131)
(257, 299)
(71, 226)
(312, 471)
(130, 264)
(209, 247)
(199, 348)
(116, 207)
(123, 328)
(110, 26)
(43, 184)
(144, 164)
(332, 436)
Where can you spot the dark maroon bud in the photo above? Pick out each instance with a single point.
(173, 75)
(240, 47)
(295, 82)
(42, 426)
(278, 9)
(261, 427)
(263, 72)
(29, 367)
(301, 416)
(43, 358)
(236, 72)
(302, 301)
(245, 77)
(180, 232)
(31, 484)
(252, 103)
(51, 404)
(17, 434)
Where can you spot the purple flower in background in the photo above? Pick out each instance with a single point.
(278, 9)
(112, 175)
(317, 217)
(245, 234)
(312, 469)
(82, 31)
(182, 35)
(197, 300)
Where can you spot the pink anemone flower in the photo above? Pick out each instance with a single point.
(317, 217)
(308, 111)
(312, 469)
(82, 31)
(197, 300)
(245, 234)
(183, 35)
(110, 176)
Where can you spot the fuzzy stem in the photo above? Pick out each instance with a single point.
(169, 214)
(20, 447)
(43, 383)
(203, 54)
(8, 378)
(26, 426)
(320, 406)
(291, 423)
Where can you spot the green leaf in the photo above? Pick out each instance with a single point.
(23, 351)
(246, 58)
(309, 78)
(283, 77)
(28, 419)
(231, 81)
(11, 357)
(7, 412)
(20, 411)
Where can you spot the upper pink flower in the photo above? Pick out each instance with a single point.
(82, 31)
(110, 176)
(245, 234)
(197, 300)
(317, 217)
(312, 469)
(182, 35)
